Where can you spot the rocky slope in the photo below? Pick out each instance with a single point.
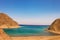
(7, 22)
(55, 27)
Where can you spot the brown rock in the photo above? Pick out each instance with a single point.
(55, 27)
(7, 22)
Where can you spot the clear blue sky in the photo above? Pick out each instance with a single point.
(31, 11)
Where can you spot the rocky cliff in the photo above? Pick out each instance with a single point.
(7, 22)
(55, 27)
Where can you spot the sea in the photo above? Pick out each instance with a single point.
(29, 30)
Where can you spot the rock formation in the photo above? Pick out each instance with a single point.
(55, 27)
(6, 22)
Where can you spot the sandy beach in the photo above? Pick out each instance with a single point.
(37, 38)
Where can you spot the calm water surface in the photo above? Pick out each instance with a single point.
(28, 30)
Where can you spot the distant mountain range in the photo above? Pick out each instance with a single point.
(31, 25)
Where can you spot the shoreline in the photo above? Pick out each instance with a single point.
(36, 38)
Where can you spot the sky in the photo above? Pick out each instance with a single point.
(35, 12)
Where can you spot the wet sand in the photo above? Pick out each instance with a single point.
(37, 38)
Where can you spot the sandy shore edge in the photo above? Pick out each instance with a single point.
(37, 38)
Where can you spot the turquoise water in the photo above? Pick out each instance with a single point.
(28, 30)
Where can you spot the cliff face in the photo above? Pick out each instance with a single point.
(7, 22)
(55, 26)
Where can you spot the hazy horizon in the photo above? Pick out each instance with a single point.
(35, 12)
